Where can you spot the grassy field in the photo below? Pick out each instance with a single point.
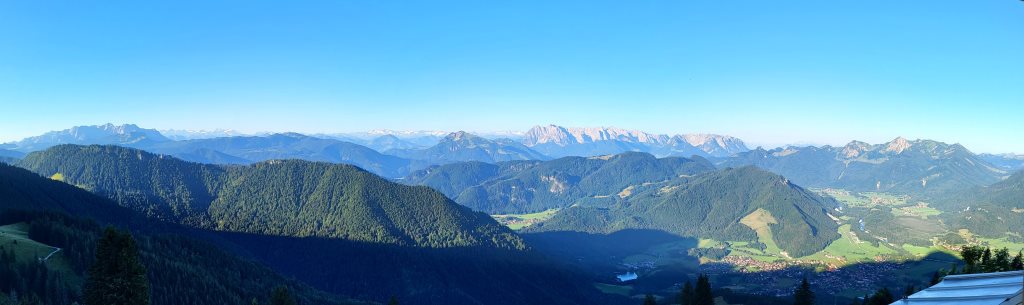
(849, 249)
(759, 221)
(626, 290)
(15, 236)
(864, 199)
(519, 221)
(921, 210)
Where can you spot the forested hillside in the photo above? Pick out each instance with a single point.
(334, 226)
(250, 149)
(533, 187)
(994, 210)
(741, 204)
(182, 270)
(289, 198)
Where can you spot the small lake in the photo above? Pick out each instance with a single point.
(628, 276)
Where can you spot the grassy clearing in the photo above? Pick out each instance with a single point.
(850, 249)
(625, 290)
(744, 249)
(519, 221)
(864, 199)
(15, 236)
(921, 210)
(759, 221)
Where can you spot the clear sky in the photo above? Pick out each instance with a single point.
(769, 72)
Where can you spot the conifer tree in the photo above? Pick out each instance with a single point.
(936, 278)
(1001, 261)
(281, 296)
(702, 291)
(686, 295)
(909, 291)
(649, 300)
(986, 260)
(117, 277)
(803, 295)
(1017, 263)
(881, 297)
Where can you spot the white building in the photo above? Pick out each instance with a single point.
(998, 288)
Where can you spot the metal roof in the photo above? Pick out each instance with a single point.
(970, 289)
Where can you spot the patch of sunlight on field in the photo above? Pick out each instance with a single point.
(921, 210)
(519, 221)
(759, 221)
(850, 249)
(625, 290)
(26, 250)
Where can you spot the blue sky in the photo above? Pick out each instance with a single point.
(769, 72)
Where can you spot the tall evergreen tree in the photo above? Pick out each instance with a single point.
(649, 300)
(702, 291)
(909, 291)
(117, 277)
(881, 297)
(1017, 263)
(1001, 261)
(936, 278)
(971, 255)
(803, 295)
(281, 296)
(686, 294)
(986, 261)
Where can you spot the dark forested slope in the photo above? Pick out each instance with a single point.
(181, 269)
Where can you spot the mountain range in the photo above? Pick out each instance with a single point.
(388, 153)
(127, 134)
(463, 146)
(1008, 162)
(532, 186)
(900, 166)
(557, 141)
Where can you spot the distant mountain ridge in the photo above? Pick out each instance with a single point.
(251, 149)
(463, 146)
(1008, 162)
(533, 186)
(181, 134)
(127, 135)
(558, 141)
(901, 165)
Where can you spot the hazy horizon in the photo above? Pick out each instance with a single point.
(768, 73)
(752, 144)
